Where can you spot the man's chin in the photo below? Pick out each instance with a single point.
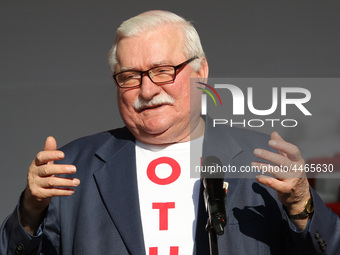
(155, 132)
(155, 136)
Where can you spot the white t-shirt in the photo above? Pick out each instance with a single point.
(168, 197)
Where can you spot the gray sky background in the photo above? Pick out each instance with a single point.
(55, 79)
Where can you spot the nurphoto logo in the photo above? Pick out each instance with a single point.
(243, 101)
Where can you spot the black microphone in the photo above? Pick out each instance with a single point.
(214, 194)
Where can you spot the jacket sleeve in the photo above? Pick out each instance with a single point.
(322, 234)
(15, 239)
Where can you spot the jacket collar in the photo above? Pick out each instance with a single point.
(219, 142)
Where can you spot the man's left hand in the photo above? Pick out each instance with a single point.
(288, 176)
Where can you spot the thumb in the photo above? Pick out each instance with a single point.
(50, 144)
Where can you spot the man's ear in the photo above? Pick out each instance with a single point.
(203, 72)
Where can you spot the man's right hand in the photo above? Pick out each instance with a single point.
(43, 184)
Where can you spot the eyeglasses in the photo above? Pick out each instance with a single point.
(158, 75)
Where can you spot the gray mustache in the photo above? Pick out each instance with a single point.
(160, 99)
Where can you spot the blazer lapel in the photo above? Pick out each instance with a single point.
(220, 143)
(117, 184)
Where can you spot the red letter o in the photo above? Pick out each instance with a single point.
(151, 171)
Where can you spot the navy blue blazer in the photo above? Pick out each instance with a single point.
(103, 216)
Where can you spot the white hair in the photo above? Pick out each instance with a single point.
(150, 20)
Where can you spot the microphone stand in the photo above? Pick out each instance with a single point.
(213, 247)
(217, 219)
(214, 197)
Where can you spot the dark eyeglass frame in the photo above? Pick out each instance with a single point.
(142, 73)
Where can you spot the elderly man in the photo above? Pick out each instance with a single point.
(123, 205)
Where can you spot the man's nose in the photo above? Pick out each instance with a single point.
(148, 89)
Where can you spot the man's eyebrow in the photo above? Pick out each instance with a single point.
(163, 62)
(154, 64)
(126, 69)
